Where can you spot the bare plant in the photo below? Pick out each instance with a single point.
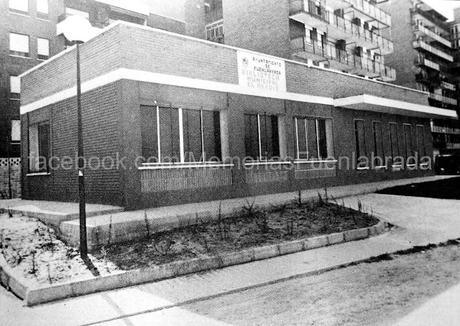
(299, 199)
(33, 268)
(104, 254)
(219, 222)
(109, 240)
(49, 274)
(147, 226)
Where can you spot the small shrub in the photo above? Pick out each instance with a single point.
(147, 225)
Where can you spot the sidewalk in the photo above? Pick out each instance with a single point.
(130, 225)
(421, 221)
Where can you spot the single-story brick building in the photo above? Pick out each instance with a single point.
(172, 119)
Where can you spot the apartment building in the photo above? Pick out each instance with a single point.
(424, 59)
(27, 37)
(346, 35)
(170, 119)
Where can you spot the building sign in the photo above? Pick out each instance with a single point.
(261, 72)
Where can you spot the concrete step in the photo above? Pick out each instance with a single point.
(132, 225)
(54, 213)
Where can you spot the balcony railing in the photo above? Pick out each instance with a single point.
(342, 24)
(448, 86)
(429, 48)
(359, 65)
(433, 35)
(421, 60)
(371, 10)
(443, 99)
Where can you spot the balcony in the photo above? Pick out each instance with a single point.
(421, 61)
(429, 33)
(448, 86)
(341, 59)
(371, 10)
(422, 45)
(306, 12)
(443, 99)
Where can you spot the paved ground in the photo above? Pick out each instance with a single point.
(421, 221)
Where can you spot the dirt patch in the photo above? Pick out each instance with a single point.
(442, 189)
(253, 227)
(34, 252)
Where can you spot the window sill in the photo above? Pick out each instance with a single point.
(258, 163)
(363, 168)
(160, 166)
(38, 174)
(382, 167)
(314, 161)
(19, 13)
(20, 56)
(397, 168)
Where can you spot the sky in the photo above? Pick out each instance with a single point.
(445, 7)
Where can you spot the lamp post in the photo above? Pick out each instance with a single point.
(77, 30)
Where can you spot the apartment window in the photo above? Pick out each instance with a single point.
(15, 131)
(172, 135)
(19, 45)
(43, 48)
(42, 9)
(378, 143)
(39, 147)
(360, 138)
(312, 138)
(408, 140)
(20, 6)
(15, 85)
(394, 143)
(420, 139)
(261, 136)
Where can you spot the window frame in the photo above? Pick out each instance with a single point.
(42, 14)
(34, 161)
(318, 147)
(18, 11)
(17, 86)
(375, 143)
(276, 157)
(182, 154)
(15, 53)
(42, 56)
(358, 147)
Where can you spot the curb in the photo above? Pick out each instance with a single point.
(43, 294)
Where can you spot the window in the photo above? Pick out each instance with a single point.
(394, 143)
(20, 6)
(15, 130)
(39, 147)
(420, 139)
(180, 135)
(378, 143)
(15, 85)
(42, 9)
(312, 138)
(261, 136)
(360, 138)
(408, 140)
(19, 45)
(43, 48)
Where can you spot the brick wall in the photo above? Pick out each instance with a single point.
(165, 23)
(101, 140)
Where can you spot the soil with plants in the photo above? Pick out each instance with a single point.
(36, 253)
(251, 227)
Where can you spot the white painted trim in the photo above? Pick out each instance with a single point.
(312, 162)
(406, 106)
(164, 79)
(38, 174)
(184, 166)
(256, 163)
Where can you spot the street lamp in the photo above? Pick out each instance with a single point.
(77, 30)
